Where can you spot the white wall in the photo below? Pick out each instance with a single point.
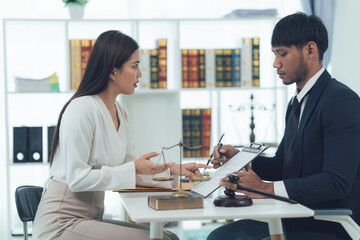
(345, 59)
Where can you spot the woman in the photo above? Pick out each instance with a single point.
(92, 150)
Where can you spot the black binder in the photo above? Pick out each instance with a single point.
(51, 130)
(20, 152)
(35, 144)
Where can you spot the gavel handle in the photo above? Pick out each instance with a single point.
(284, 199)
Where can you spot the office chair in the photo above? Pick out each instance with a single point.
(27, 199)
(341, 216)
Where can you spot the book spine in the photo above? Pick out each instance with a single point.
(193, 68)
(210, 66)
(145, 68)
(256, 62)
(185, 68)
(219, 70)
(202, 68)
(162, 62)
(75, 64)
(154, 78)
(227, 66)
(85, 53)
(195, 131)
(54, 83)
(186, 117)
(236, 67)
(246, 63)
(205, 132)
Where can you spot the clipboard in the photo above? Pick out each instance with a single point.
(235, 164)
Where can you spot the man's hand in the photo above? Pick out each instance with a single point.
(227, 151)
(250, 179)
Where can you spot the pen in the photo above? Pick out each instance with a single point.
(219, 149)
(220, 158)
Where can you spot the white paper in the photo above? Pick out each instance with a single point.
(236, 163)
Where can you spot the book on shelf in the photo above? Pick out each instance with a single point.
(193, 68)
(79, 54)
(185, 68)
(196, 131)
(186, 126)
(86, 45)
(205, 132)
(219, 67)
(256, 62)
(145, 68)
(75, 63)
(46, 84)
(236, 67)
(227, 67)
(246, 62)
(210, 66)
(202, 68)
(154, 76)
(162, 62)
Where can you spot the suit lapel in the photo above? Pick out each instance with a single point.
(311, 103)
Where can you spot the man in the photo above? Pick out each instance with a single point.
(318, 165)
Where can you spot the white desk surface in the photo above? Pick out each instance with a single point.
(137, 207)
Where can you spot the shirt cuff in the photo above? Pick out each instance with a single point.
(280, 190)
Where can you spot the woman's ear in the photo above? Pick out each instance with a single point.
(113, 74)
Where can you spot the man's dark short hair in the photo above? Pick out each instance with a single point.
(298, 29)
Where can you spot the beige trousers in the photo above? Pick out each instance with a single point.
(66, 215)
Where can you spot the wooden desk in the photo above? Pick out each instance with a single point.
(266, 210)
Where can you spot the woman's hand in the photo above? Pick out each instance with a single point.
(227, 151)
(144, 166)
(188, 169)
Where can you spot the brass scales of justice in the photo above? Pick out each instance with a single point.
(180, 199)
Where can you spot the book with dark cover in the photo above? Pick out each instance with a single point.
(227, 67)
(186, 124)
(154, 76)
(236, 67)
(256, 62)
(35, 144)
(202, 68)
(85, 53)
(195, 131)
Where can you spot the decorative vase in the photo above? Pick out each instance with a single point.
(76, 12)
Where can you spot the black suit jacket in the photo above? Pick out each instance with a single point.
(325, 172)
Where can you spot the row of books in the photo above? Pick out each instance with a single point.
(222, 67)
(79, 53)
(196, 132)
(153, 66)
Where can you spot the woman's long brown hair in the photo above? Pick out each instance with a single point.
(111, 50)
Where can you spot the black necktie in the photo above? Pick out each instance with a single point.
(290, 136)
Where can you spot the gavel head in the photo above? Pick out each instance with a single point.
(231, 185)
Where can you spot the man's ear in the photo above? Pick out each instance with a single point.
(311, 49)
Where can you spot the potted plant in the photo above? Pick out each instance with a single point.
(76, 8)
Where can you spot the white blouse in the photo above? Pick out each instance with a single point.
(92, 155)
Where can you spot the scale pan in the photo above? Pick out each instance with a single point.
(163, 178)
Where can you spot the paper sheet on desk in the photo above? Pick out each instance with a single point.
(236, 163)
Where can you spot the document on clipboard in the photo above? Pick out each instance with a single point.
(235, 164)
